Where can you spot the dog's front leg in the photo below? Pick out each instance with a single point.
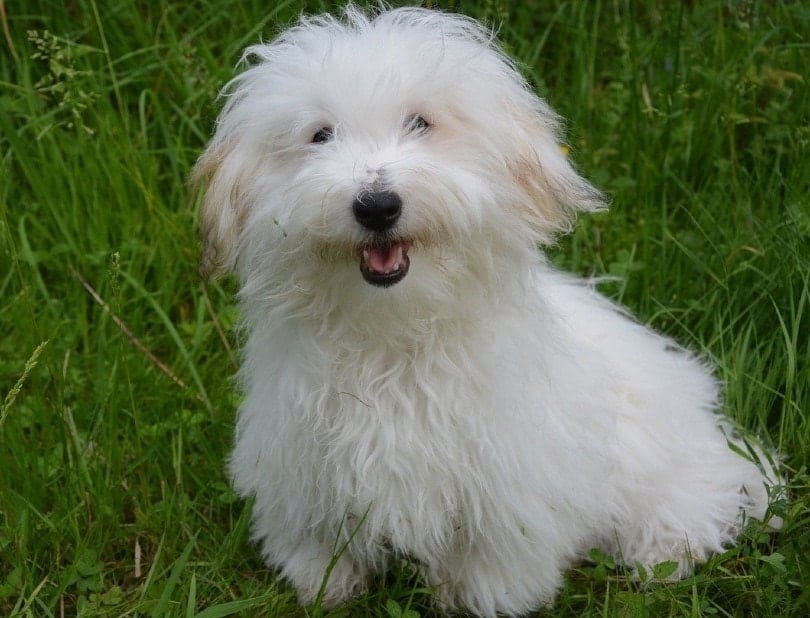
(320, 571)
(494, 581)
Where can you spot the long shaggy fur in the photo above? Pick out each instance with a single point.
(486, 415)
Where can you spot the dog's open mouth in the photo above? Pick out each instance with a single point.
(384, 264)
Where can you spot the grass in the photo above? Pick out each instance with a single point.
(115, 360)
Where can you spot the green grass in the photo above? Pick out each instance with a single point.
(113, 500)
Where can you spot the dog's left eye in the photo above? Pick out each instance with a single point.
(417, 124)
(324, 134)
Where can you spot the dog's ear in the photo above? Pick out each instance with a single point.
(224, 174)
(555, 192)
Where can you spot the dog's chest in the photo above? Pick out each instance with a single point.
(408, 456)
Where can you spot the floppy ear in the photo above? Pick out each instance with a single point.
(555, 192)
(226, 173)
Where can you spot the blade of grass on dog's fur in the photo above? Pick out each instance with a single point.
(337, 551)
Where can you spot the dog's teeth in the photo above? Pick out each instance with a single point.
(386, 259)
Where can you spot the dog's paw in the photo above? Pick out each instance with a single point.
(308, 570)
(669, 563)
(488, 587)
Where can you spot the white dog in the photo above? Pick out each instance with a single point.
(418, 380)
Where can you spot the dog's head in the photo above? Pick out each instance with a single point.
(372, 150)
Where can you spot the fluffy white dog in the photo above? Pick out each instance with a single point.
(418, 380)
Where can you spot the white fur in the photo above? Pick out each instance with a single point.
(487, 416)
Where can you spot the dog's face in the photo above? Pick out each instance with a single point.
(376, 151)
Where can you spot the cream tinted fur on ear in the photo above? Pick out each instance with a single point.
(224, 206)
(418, 381)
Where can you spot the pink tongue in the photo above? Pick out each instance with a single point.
(384, 259)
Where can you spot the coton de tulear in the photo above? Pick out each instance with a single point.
(418, 380)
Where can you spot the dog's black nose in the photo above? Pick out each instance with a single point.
(377, 210)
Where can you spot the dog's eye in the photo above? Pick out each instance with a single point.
(324, 134)
(417, 124)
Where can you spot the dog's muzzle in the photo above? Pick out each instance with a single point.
(384, 260)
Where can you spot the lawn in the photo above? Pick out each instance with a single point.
(116, 360)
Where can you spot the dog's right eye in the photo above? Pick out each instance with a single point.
(324, 134)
